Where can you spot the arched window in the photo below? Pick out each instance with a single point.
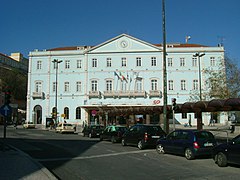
(78, 113)
(66, 112)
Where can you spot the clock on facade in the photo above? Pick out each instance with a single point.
(123, 44)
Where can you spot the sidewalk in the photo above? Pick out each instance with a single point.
(218, 130)
(15, 164)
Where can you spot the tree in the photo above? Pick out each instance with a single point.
(221, 82)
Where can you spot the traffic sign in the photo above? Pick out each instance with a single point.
(6, 110)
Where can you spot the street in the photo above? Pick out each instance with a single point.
(71, 156)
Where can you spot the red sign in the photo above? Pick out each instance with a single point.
(94, 112)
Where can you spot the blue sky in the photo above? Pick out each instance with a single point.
(42, 24)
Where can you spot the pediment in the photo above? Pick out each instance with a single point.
(124, 43)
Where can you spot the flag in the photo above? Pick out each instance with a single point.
(116, 74)
(123, 77)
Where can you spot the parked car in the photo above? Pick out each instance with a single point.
(29, 125)
(227, 153)
(92, 130)
(65, 128)
(113, 133)
(142, 135)
(190, 143)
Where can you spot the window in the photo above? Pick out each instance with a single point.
(109, 62)
(139, 85)
(194, 62)
(139, 61)
(67, 64)
(78, 86)
(79, 64)
(170, 62)
(66, 112)
(38, 86)
(170, 85)
(184, 115)
(124, 62)
(39, 64)
(78, 113)
(54, 86)
(212, 61)
(182, 61)
(94, 62)
(154, 61)
(183, 84)
(109, 85)
(195, 84)
(94, 85)
(66, 87)
(154, 85)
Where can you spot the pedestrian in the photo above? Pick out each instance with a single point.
(233, 121)
(190, 120)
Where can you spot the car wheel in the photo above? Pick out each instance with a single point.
(113, 139)
(189, 154)
(124, 142)
(140, 145)
(221, 160)
(160, 149)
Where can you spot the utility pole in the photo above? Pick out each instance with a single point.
(56, 62)
(164, 69)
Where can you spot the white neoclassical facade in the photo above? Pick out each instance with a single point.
(122, 74)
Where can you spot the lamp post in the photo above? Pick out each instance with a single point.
(199, 55)
(164, 69)
(56, 62)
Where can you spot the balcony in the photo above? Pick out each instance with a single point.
(155, 93)
(139, 93)
(124, 93)
(37, 95)
(109, 93)
(94, 94)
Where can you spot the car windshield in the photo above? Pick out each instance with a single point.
(122, 129)
(97, 127)
(153, 129)
(204, 135)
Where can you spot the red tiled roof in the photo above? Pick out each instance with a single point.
(63, 48)
(182, 45)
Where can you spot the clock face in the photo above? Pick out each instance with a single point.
(124, 44)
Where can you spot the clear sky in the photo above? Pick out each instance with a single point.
(42, 24)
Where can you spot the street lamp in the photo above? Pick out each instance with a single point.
(166, 124)
(56, 62)
(199, 55)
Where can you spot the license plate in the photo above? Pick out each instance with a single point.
(155, 136)
(208, 144)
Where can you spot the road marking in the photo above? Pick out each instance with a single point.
(95, 156)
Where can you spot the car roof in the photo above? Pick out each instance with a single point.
(191, 130)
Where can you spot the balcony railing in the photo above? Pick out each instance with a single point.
(109, 93)
(139, 93)
(94, 94)
(37, 95)
(155, 93)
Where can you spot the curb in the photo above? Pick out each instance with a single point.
(45, 171)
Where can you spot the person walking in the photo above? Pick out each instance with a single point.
(190, 120)
(233, 121)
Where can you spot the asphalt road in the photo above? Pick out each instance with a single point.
(71, 156)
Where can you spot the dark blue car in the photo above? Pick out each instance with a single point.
(190, 143)
(227, 152)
